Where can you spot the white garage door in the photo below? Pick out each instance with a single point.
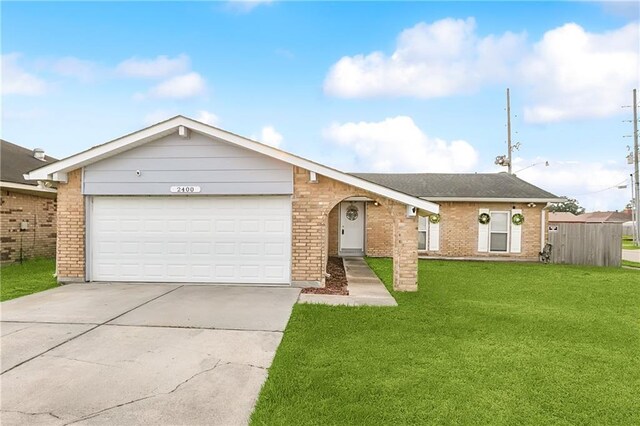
(191, 239)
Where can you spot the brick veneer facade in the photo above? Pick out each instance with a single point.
(71, 229)
(312, 205)
(39, 239)
(459, 230)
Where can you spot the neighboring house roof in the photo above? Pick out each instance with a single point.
(58, 171)
(565, 217)
(462, 186)
(594, 217)
(15, 161)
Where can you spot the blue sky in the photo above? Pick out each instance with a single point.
(360, 86)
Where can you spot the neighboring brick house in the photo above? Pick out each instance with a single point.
(182, 201)
(27, 208)
(457, 231)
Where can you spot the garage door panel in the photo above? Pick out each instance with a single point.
(191, 239)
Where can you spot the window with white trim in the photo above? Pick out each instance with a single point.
(499, 232)
(423, 227)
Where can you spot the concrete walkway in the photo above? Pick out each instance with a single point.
(631, 255)
(365, 288)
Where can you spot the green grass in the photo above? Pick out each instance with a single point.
(631, 264)
(29, 277)
(628, 244)
(480, 343)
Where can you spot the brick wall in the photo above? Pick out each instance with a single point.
(39, 239)
(71, 229)
(379, 232)
(459, 230)
(334, 222)
(312, 205)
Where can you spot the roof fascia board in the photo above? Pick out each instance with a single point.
(106, 150)
(496, 199)
(312, 166)
(25, 187)
(167, 127)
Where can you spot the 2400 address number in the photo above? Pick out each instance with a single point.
(181, 189)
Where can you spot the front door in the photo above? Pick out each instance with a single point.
(352, 227)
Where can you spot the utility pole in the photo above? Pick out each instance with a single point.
(509, 167)
(635, 163)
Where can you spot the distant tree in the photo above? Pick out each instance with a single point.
(571, 206)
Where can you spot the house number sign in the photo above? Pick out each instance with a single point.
(182, 189)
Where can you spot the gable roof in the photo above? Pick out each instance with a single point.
(58, 171)
(16, 160)
(463, 186)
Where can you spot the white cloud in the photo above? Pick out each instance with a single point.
(246, 6)
(270, 136)
(593, 184)
(568, 74)
(572, 73)
(17, 81)
(77, 68)
(397, 144)
(158, 67)
(179, 87)
(430, 60)
(207, 117)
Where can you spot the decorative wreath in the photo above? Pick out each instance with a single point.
(517, 219)
(484, 218)
(352, 212)
(434, 218)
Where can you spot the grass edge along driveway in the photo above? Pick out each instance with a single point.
(32, 276)
(480, 343)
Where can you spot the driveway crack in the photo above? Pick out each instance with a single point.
(45, 413)
(133, 401)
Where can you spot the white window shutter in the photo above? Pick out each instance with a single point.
(434, 236)
(516, 234)
(483, 234)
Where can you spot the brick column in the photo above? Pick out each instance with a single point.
(405, 250)
(70, 260)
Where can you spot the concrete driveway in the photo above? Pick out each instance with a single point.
(139, 353)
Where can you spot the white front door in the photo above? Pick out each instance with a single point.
(352, 226)
(239, 239)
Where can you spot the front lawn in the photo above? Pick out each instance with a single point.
(29, 277)
(480, 343)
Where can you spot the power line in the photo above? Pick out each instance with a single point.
(605, 189)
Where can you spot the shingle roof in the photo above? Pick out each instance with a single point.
(459, 185)
(16, 160)
(593, 217)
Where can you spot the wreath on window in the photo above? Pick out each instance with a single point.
(434, 218)
(484, 218)
(517, 219)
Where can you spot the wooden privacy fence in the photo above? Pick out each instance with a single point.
(598, 244)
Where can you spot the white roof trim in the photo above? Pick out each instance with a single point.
(496, 200)
(58, 170)
(26, 187)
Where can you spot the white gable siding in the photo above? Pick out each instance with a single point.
(218, 168)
